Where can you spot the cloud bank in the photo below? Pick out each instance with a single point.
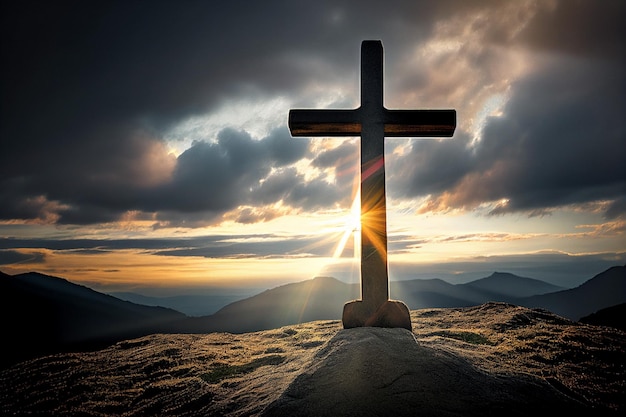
(89, 91)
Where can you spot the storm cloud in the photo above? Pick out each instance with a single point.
(90, 89)
(559, 141)
(216, 246)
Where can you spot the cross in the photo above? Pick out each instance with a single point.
(372, 121)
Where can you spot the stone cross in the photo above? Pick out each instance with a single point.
(372, 122)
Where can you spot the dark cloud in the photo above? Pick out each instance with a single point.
(345, 162)
(283, 149)
(561, 138)
(216, 246)
(582, 28)
(560, 141)
(616, 208)
(290, 187)
(298, 246)
(213, 178)
(88, 88)
(93, 244)
(430, 166)
(205, 181)
(9, 257)
(317, 194)
(345, 154)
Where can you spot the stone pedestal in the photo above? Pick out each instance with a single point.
(391, 313)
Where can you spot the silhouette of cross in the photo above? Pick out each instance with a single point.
(372, 122)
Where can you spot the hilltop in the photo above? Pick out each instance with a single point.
(491, 359)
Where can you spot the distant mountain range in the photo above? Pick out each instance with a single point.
(44, 314)
(604, 290)
(422, 293)
(191, 305)
(320, 298)
(323, 298)
(496, 287)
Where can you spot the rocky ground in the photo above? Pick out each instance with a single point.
(483, 360)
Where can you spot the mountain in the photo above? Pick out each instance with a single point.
(494, 359)
(425, 293)
(323, 298)
(44, 314)
(316, 299)
(503, 283)
(614, 316)
(604, 290)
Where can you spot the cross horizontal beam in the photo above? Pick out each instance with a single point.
(398, 123)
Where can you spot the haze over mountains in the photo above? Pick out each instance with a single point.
(45, 314)
(425, 292)
(190, 304)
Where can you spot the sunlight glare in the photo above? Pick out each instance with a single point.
(352, 225)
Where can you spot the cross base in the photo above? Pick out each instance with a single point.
(391, 313)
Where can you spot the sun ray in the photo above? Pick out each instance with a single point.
(352, 225)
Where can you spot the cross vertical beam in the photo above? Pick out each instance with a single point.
(374, 274)
(372, 121)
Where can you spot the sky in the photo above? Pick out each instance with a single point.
(144, 144)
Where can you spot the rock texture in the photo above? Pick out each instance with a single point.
(492, 359)
(380, 372)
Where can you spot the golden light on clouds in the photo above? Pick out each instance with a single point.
(126, 269)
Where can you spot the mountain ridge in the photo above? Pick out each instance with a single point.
(58, 315)
(45, 314)
(513, 285)
(606, 289)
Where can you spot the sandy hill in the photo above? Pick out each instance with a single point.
(491, 359)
